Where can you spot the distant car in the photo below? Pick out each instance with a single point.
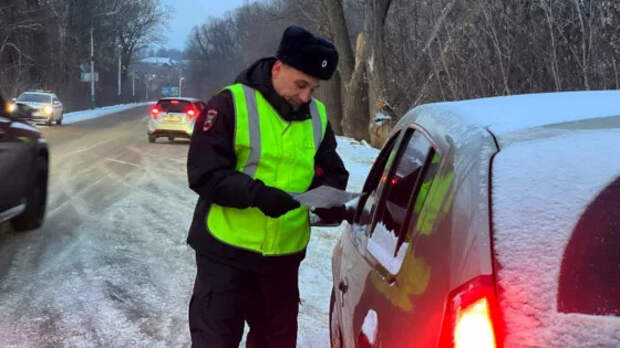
(24, 162)
(39, 106)
(173, 117)
(487, 223)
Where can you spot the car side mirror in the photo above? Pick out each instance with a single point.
(13, 100)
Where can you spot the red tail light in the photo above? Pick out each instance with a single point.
(191, 113)
(155, 112)
(472, 317)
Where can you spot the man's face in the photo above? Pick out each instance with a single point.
(293, 85)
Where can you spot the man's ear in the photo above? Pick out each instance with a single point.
(276, 68)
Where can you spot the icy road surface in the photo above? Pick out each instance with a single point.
(110, 267)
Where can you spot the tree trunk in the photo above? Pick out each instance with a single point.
(379, 103)
(354, 106)
(355, 96)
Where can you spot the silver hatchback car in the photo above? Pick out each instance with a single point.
(487, 223)
(173, 117)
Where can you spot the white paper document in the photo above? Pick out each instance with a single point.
(325, 197)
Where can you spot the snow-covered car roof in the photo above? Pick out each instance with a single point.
(512, 113)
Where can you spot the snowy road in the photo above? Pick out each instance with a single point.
(110, 267)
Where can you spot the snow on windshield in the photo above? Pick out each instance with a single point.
(540, 190)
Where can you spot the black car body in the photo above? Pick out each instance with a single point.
(24, 159)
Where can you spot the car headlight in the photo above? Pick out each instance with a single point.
(47, 110)
(10, 107)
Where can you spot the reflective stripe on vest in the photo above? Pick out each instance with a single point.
(279, 153)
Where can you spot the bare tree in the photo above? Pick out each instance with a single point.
(396, 54)
(139, 25)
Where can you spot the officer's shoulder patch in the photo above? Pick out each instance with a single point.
(210, 118)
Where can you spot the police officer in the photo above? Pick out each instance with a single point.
(257, 143)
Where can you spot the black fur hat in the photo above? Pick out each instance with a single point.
(311, 54)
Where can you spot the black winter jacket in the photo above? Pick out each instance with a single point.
(211, 168)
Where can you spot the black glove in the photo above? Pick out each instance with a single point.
(333, 215)
(272, 201)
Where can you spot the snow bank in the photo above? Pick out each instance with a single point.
(82, 115)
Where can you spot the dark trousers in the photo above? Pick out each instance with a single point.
(226, 296)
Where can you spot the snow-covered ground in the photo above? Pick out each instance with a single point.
(77, 116)
(110, 266)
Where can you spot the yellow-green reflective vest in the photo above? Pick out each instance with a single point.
(280, 154)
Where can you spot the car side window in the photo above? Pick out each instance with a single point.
(409, 175)
(425, 210)
(370, 191)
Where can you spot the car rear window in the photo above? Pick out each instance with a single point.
(173, 105)
(36, 98)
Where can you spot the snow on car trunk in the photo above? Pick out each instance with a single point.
(540, 189)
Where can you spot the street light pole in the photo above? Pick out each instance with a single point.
(92, 69)
(181, 84)
(133, 85)
(119, 72)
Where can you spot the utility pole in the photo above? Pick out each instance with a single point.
(120, 51)
(92, 69)
(133, 85)
(181, 84)
(92, 58)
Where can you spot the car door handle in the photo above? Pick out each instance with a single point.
(343, 286)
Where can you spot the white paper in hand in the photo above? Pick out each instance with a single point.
(325, 197)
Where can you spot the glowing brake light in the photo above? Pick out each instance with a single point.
(191, 113)
(472, 316)
(474, 327)
(155, 112)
